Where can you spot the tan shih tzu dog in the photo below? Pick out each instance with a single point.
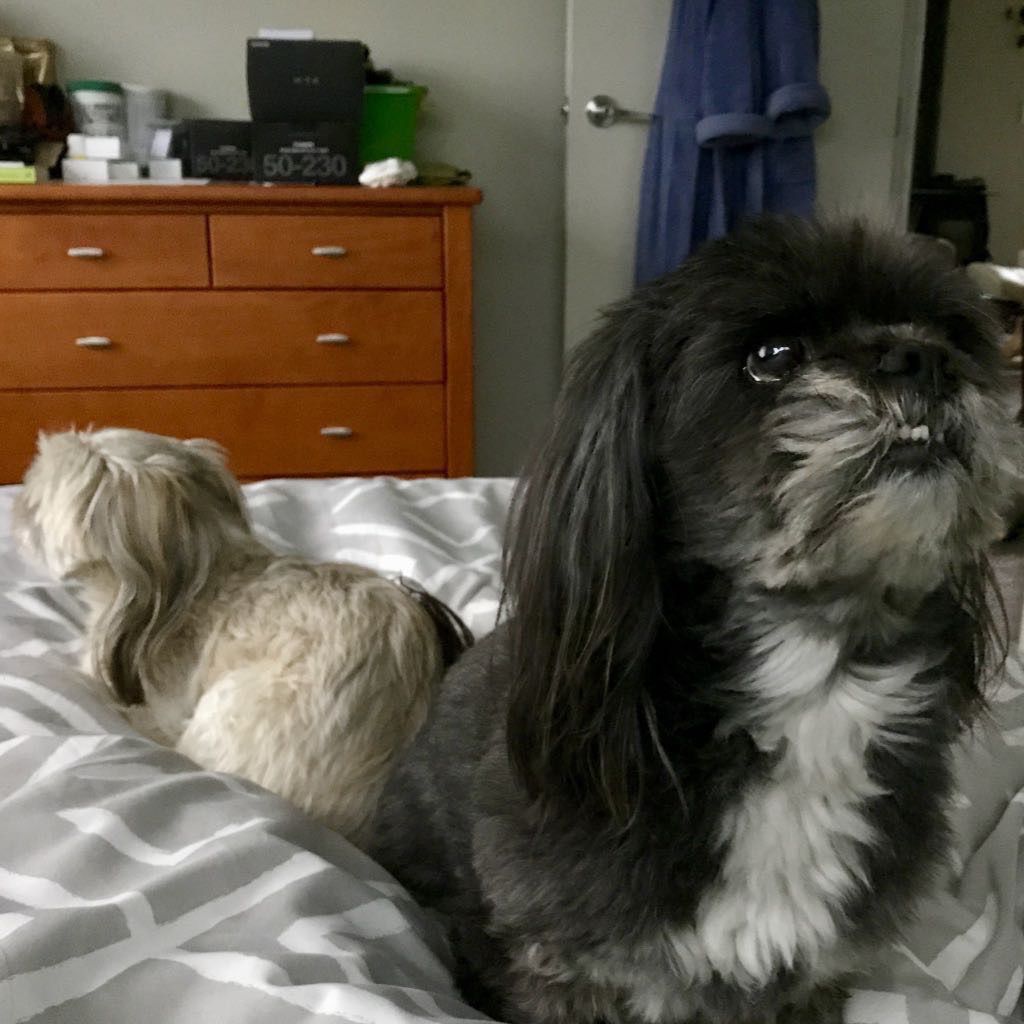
(305, 678)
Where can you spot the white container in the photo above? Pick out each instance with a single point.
(165, 170)
(95, 147)
(98, 107)
(145, 110)
(124, 170)
(85, 172)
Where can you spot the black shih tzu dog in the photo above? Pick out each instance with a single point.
(702, 772)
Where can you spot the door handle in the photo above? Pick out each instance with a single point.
(603, 112)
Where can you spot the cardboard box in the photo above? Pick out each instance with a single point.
(221, 150)
(305, 81)
(314, 154)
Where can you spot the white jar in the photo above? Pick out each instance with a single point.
(98, 107)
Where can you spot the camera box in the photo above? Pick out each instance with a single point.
(221, 150)
(305, 81)
(314, 154)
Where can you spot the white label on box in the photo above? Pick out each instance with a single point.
(304, 34)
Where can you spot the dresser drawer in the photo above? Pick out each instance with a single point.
(66, 251)
(266, 431)
(99, 340)
(282, 251)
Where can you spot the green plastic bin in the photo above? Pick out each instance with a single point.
(389, 121)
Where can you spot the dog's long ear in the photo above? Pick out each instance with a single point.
(162, 526)
(583, 586)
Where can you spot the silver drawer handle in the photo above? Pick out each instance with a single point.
(86, 252)
(332, 252)
(332, 339)
(335, 431)
(93, 341)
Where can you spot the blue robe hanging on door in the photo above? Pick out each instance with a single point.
(737, 104)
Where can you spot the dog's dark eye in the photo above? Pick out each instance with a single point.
(770, 363)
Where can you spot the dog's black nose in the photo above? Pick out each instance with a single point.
(912, 360)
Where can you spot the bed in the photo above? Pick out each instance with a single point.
(135, 886)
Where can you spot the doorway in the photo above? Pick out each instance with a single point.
(870, 63)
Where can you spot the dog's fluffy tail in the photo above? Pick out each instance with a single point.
(453, 634)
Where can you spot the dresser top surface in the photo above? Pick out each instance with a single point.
(227, 195)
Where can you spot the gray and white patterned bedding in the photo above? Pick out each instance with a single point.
(134, 886)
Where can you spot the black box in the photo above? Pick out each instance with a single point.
(316, 154)
(215, 149)
(305, 81)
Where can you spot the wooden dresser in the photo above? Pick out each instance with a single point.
(311, 331)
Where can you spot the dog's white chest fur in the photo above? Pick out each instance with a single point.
(791, 846)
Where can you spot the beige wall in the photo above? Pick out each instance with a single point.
(495, 73)
(980, 133)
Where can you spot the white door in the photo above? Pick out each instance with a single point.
(871, 66)
(870, 63)
(614, 48)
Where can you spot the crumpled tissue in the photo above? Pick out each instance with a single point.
(386, 173)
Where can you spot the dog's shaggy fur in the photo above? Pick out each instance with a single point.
(305, 678)
(704, 768)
